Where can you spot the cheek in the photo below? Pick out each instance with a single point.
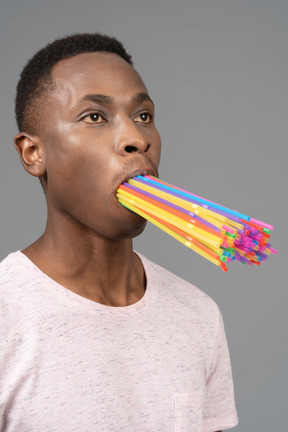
(79, 160)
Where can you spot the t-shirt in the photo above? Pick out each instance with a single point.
(70, 364)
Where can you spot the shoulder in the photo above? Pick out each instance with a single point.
(13, 278)
(10, 268)
(17, 277)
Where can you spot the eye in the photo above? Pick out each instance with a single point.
(93, 118)
(144, 118)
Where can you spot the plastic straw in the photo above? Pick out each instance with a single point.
(217, 233)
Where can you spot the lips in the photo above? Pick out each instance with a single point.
(137, 168)
(142, 172)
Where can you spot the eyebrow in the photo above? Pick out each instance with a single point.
(97, 98)
(142, 97)
(108, 100)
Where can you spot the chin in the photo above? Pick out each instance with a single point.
(140, 229)
(133, 229)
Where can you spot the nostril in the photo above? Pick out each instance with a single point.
(130, 149)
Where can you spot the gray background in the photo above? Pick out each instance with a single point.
(217, 71)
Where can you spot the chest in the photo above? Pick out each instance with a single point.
(108, 373)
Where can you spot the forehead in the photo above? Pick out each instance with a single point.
(98, 72)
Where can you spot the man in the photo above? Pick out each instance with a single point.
(94, 336)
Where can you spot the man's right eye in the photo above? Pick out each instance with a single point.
(93, 118)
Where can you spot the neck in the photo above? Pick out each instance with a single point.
(102, 270)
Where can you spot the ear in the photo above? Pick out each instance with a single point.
(31, 153)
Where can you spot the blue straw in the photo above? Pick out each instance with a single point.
(193, 198)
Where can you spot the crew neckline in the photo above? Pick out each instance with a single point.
(120, 311)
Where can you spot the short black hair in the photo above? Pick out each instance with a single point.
(36, 75)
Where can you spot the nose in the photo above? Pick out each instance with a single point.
(130, 139)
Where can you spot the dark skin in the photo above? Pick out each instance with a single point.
(97, 130)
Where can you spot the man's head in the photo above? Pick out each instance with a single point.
(35, 80)
(90, 127)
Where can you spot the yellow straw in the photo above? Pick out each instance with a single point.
(170, 218)
(179, 201)
(234, 224)
(168, 231)
(218, 250)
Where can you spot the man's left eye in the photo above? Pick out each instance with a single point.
(93, 118)
(144, 118)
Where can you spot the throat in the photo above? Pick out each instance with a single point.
(114, 279)
(120, 288)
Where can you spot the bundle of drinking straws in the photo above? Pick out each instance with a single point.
(218, 233)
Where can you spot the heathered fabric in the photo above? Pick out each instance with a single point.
(70, 364)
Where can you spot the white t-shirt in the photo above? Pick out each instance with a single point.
(70, 364)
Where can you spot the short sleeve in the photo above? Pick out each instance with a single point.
(219, 406)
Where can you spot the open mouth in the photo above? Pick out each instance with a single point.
(140, 172)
